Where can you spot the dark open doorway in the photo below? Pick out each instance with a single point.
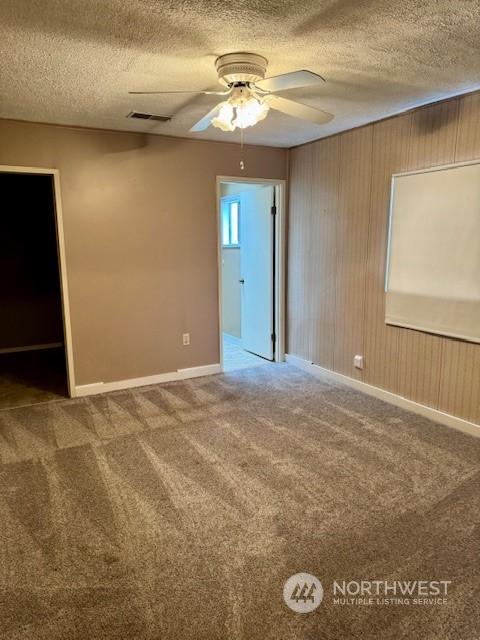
(32, 352)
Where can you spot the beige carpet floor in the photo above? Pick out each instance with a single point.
(178, 512)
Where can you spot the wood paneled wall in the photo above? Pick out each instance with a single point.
(338, 222)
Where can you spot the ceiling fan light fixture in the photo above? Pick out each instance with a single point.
(243, 109)
(225, 117)
(250, 112)
(251, 95)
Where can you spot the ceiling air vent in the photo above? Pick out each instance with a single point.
(148, 116)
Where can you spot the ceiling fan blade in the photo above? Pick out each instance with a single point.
(298, 110)
(292, 80)
(204, 123)
(154, 93)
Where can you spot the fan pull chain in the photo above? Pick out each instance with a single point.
(242, 164)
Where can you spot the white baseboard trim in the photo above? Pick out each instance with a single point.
(33, 347)
(433, 414)
(181, 374)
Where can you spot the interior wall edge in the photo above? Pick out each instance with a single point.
(449, 420)
(32, 347)
(97, 388)
(392, 116)
(76, 127)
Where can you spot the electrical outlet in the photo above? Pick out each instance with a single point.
(358, 362)
(186, 339)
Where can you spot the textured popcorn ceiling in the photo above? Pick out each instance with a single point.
(73, 61)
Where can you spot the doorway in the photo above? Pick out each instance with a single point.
(35, 344)
(251, 272)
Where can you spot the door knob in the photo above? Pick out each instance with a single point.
(242, 281)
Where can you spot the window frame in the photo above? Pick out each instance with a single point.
(226, 202)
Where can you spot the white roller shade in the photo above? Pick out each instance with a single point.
(433, 270)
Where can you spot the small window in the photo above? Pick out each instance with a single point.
(230, 222)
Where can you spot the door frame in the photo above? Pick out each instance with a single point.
(62, 263)
(279, 267)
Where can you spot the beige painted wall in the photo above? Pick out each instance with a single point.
(140, 241)
(338, 217)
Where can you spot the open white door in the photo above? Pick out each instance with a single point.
(257, 270)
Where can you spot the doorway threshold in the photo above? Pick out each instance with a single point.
(235, 358)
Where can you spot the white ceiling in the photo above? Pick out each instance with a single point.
(74, 61)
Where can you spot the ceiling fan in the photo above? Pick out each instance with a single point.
(251, 95)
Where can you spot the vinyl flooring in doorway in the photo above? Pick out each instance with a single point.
(235, 358)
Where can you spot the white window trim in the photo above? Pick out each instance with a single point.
(227, 200)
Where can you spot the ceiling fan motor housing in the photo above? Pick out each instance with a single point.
(240, 67)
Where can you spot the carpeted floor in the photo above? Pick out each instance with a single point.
(30, 377)
(178, 512)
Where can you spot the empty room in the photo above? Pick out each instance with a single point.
(239, 320)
